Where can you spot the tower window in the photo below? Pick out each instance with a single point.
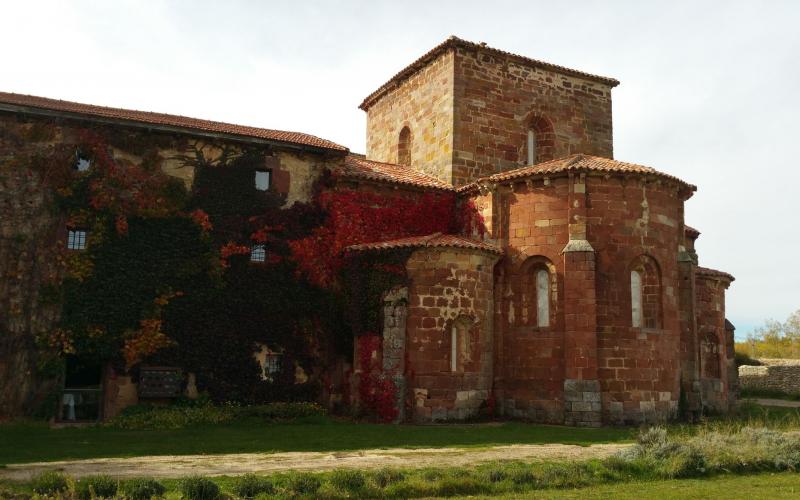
(531, 147)
(76, 239)
(404, 144)
(645, 293)
(263, 179)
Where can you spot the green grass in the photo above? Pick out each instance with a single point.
(36, 442)
(751, 487)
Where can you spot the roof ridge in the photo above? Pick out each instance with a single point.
(454, 41)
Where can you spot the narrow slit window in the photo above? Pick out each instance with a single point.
(531, 147)
(263, 179)
(543, 298)
(76, 239)
(272, 364)
(636, 299)
(258, 253)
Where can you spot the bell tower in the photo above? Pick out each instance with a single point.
(465, 110)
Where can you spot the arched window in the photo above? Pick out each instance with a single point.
(531, 147)
(542, 298)
(539, 141)
(645, 293)
(404, 147)
(636, 299)
(535, 293)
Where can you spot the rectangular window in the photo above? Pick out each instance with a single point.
(83, 164)
(258, 253)
(272, 364)
(76, 239)
(263, 179)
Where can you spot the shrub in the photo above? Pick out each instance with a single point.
(385, 477)
(744, 359)
(496, 475)
(142, 489)
(457, 486)
(199, 488)
(304, 484)
(171, 417)
(523, 477)
(348, 480)
(95, 487)
(250, 486)
(281, 411)
(49, 483)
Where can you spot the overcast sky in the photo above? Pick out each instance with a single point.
(710, 91)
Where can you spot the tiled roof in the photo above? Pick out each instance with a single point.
(454, 41)
(712, 273)
(574, 163)
(691, 232)
(432, 240)
(161, 119)
(358, 167)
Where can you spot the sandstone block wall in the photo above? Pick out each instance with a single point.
(424, 104)
(713, 343)
(776, 374)
(449, 286)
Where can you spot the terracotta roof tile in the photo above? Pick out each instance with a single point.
(573, 163)
(712, 273)
(431, 240)
(147, 117)
(454, 41)
(356, 166)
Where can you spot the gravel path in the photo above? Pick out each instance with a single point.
(172, 466)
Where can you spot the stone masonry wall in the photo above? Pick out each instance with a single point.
(31, 233)
(639, 367)
(449, 286)
(531, 221)
(712, 342)
(424, 104)
(775, 374)
(496, 100)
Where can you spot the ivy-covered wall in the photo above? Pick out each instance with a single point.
(166, 277)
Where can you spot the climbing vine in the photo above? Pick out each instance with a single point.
(166, 277)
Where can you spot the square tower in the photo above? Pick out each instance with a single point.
(464, 110)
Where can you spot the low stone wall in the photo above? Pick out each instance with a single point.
(775, 374)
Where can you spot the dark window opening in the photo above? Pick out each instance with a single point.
(76, 239)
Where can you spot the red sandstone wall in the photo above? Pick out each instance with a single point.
(639, 368)
(495, 101)
(529, 375)
(712, 342)
(446, 284)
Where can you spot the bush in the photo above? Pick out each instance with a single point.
(385, 477)
(199, 488)
(95, 487)
(523, 477)
(147, 417)
(351, 481)
(304, 484)
(49, 483)
(281, 411)
(142, 489)
(250, 486)
(457, 486)
(496, 475)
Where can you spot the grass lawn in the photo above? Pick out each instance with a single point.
(756, 486)
(36, 442)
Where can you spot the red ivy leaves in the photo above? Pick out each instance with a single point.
(359, 217)
(200, 217)
(377, 394)
(231, 248)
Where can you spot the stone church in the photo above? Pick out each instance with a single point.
(582, 302)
